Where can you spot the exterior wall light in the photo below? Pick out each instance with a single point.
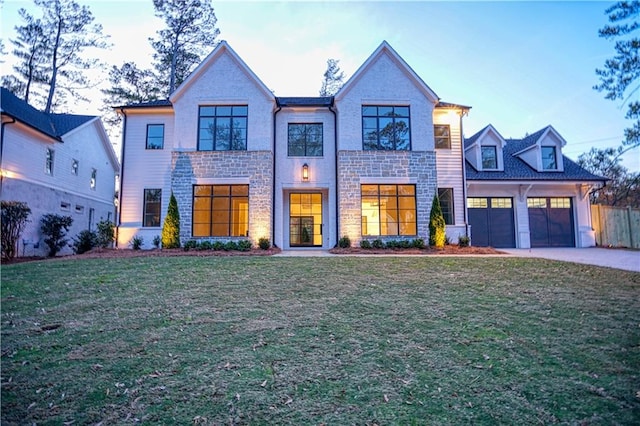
(305, 172)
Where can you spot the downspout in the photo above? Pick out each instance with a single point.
(2, 149)
(464, 180)
(335, 141)
(273, 191)
(122, 155)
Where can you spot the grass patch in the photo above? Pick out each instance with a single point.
(261, 340)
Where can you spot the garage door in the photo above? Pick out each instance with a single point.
(551, 222)
(491, 221)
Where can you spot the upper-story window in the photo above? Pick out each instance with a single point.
(155, 136)
(94, 177)
(489, 157)
(442, 134)
(222, 128)
(386, 128)
(305, 140)
(75, 165)
(48, 164)
(549, 160)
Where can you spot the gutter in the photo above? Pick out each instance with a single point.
(2, 148)
(273, 178)
(335, 142)
(464, 180)
(122, 156)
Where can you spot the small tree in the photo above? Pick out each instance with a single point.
(105, 234)
(15, 216)
(437, 234)
(55, 228)
(171, 226)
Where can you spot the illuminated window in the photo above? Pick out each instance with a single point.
(537, 203)
(48, 165)
(489, 157)
(442, 134)
(560, 203)
(305, 140)
(445, 195)
(151, 209)
(477, 203)
(388, 210)
(386, 128)
(155, 136)
(222, 128)
(501, 203)
(220, 210)
(549, 158)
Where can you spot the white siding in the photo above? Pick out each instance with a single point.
(449, 163)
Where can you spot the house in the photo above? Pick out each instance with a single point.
(56, 163)
(300, 171)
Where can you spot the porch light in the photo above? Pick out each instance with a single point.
(305, 172)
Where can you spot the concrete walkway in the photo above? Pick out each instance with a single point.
(628, 260)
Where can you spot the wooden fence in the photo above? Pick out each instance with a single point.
(616, 226)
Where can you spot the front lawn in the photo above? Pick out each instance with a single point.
(336, 340)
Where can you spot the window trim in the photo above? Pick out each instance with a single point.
(147, 138)
(230, 117)
(49, 161)
(397, 210)
(449, 219)
(495, 151)
(145, 214)
(436, 137)
(553, 149)
(75, 166)
(230, 197)
(378, 130)
(305, 141)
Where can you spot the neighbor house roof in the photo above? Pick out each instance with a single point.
(52, 125)
(517, 169)
(321, 101)
(159, 103)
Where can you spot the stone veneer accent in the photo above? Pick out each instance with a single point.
(257, 166)
(416, 167)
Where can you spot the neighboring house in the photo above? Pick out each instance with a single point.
(301, 171)
(56, 163)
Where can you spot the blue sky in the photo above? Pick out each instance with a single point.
(519, 65)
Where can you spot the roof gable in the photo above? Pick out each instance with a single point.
(386, 50)
(483, 133)
(221, 49)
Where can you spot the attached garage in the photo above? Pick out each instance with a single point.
(551, 222)
(492, 221)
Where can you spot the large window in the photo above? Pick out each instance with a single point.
(489, 157)
(305, 140)
(549, 161)
(445, 195)
(155, 136)
(48, 164)
(442, 134)
(388, 210)
(220, 210)
(386, 128)
(222, 128)
(152, 203)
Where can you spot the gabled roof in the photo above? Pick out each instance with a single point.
(442, 104)
(531, 140)
(222, 48)
(321, 101)
(516, 169)
(386, 49)
(481, 134)
(52, 125)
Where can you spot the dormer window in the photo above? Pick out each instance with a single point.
(549, 160)
(489, 157)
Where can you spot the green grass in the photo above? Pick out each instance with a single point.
(344, 340)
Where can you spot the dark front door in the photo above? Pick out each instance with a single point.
(551, 222)
(491, 221)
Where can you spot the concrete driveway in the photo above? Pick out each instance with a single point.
(614, 258)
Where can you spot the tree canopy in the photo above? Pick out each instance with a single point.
(333, 78)
(623, 187)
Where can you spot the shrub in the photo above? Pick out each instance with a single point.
(244, 245)
(463, 241)
(365, 244)
(230, 245)
(136, 242)
(417, 243)
(171, 226)
(189, 245)
(15, 215)
(391, 244)
(344, 242)
(204, 245)
(105, 233)
(156, 241)
(377, 243)
(217, 245)
(55, 228)
(447, 240)
(437, 226)
(264, 243)
(84, 241)
(404, 244)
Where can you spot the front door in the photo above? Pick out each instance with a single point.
(305, 220)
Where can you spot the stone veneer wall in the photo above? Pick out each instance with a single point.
(416, 167)
(256, 166)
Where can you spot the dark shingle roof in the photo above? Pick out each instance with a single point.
(442, 104)
(320, 101)
(517, 169)
(149, 104)
(53, 125)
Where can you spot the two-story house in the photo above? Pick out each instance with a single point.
(56, 163)
(300, 171)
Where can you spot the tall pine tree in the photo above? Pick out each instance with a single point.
(333, 79)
